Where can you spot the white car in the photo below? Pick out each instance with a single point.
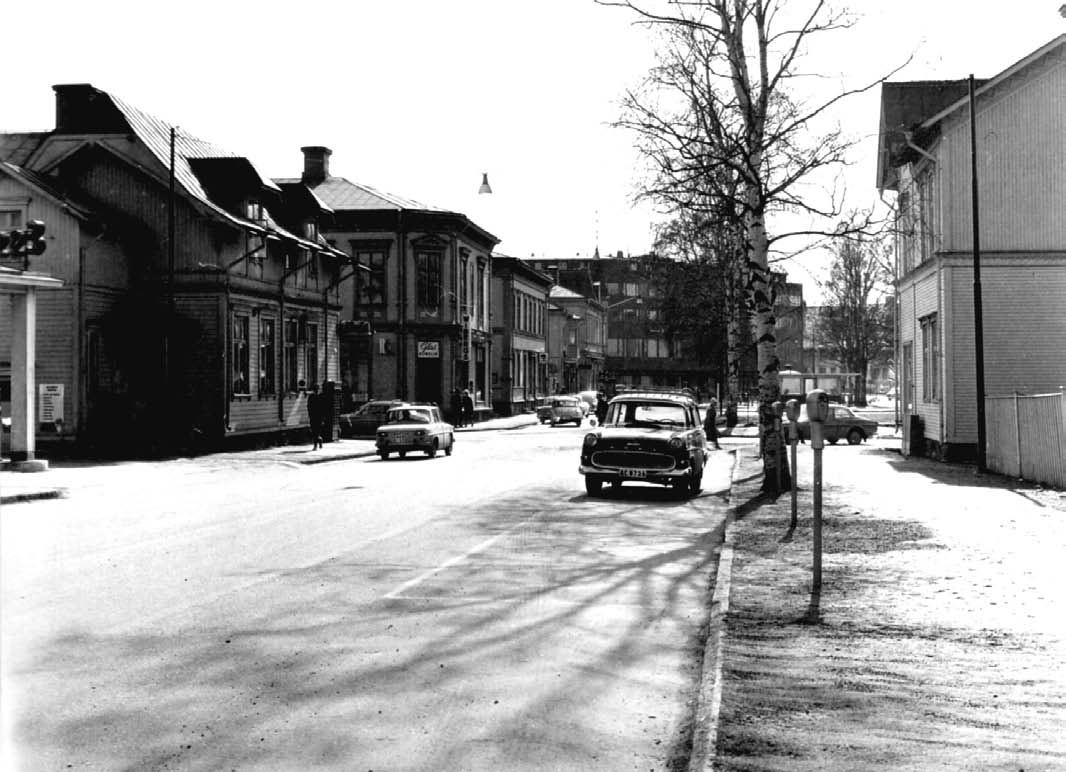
(414, 427)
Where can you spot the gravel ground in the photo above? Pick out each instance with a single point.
(938, 641)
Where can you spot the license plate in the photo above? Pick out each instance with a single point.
(634, 473)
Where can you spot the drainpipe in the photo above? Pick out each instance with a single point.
(401, 338)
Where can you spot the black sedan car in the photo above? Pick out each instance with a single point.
(650, 436)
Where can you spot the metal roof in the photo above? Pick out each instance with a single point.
(339, 194)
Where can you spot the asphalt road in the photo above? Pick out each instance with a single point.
(467, 613)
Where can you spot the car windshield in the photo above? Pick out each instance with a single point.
(645, 414)
(407, 415)
(565, 402)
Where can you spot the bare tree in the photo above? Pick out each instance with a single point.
(723, 127)
(856, 323)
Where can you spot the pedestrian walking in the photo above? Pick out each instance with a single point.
(601, 408)
(467, 409)
(710, 423)
(315, 410)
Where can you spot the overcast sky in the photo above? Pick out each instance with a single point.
(421, 97)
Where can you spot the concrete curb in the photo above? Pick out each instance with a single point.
(709, 701)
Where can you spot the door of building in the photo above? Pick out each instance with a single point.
(428, 372)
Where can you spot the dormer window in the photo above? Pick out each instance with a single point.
(254, 210)
(311, 230)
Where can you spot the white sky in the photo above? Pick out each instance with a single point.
(420, 97)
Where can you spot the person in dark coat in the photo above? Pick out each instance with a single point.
(601, 407)
(457, 407)
(710, 424)
(467, 409)
(315, 414)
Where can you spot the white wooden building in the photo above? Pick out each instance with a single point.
(925, 159)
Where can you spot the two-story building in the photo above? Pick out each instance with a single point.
(421, 296)
(926, 158)
(196, 302)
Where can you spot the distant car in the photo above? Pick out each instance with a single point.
(653, 436)
(841, 424)
(366, 420)
(415, 426)
(562, 410)
(590, 398)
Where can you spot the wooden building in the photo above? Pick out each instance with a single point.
(925, 159)
(198, 296)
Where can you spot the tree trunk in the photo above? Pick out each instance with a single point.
(776, 477)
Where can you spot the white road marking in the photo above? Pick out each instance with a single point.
(453, 561)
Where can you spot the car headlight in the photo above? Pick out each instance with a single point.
(420, 433)
(591, 439)
(676, 443)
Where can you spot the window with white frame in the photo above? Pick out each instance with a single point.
(10, 218)
(930, 359)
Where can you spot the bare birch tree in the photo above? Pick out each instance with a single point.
(723, 126)
(856, 323)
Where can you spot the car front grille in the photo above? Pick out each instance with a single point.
(632, 459)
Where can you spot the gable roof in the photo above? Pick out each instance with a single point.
(911, 111)
(45, 187)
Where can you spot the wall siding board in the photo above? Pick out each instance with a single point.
(1023, 326)
(1021, 164)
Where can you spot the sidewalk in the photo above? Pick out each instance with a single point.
(939, 639)
(62, 476)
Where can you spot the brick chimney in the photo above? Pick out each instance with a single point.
(316, 163)
(81, 108)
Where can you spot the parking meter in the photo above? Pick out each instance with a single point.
(817, 412)
(792, 412)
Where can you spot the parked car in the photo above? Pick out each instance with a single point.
(649, 437)
(366, 420)
(561, 410)
(415, 426)
(840, 424)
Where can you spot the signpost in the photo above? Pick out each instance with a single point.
(792, 410)
(817, 412)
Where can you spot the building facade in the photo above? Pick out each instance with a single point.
(925, 160)
(520, 331)
(197, 297)
(415, 309)
(577, 342)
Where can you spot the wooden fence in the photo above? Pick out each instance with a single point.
(1026, 435)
